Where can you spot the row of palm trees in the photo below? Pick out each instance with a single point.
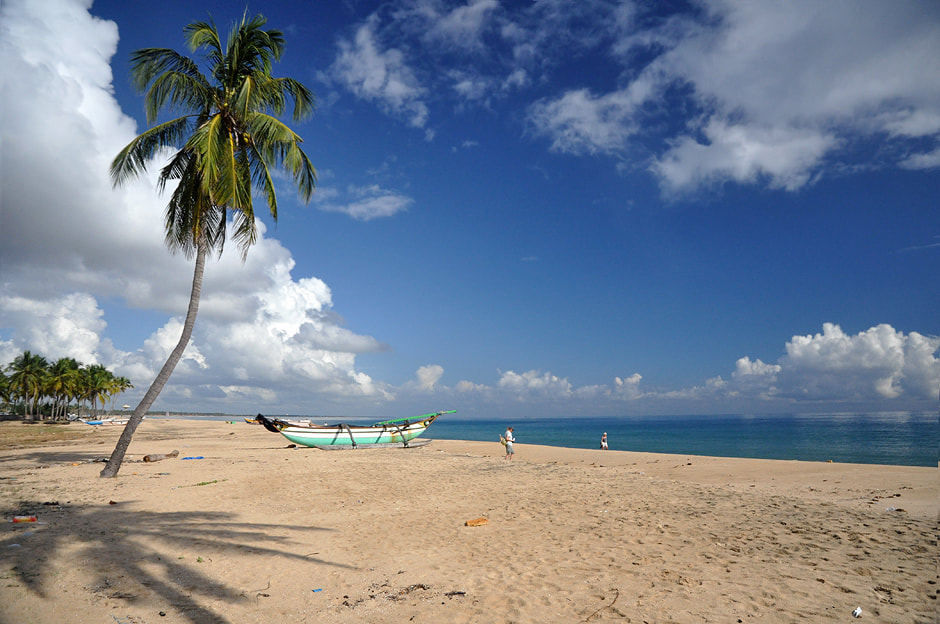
(35, 386)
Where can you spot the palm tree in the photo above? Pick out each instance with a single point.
(116, 387)
(97, 383)
(27, 379)
(226, 140)
(63, 378)
(6, 391)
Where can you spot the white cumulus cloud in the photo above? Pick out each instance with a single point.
(878, 363)
(533, 384)
(69, 243)
(878, 367)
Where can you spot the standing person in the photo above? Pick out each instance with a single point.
(509, 440)
(604, 441)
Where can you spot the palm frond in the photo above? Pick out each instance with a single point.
(148, 63)
(302, 170)
(278, 145)
(175, 169)
(132, 160)
(262, 180)
(244, 229)
(205, 35)
(242, 200)
(189, 93)
(190, 214)
(244, 232)
(182, 215)
(304, 101)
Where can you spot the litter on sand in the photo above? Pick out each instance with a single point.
(476, 522)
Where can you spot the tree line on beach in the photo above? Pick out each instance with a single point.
(35, 387)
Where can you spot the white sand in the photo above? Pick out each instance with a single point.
(257, 532)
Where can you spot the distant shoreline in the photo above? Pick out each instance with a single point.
(884, 438)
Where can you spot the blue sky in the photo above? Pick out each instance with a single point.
(529, 208)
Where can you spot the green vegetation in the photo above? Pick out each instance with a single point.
(33, 386)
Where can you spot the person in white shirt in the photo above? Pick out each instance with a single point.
(509, 440)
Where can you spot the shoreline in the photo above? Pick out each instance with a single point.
(249, 532)
(640, 436)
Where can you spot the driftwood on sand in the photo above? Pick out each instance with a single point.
(155, 457)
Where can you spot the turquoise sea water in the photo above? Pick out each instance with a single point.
(885, 438)
(898, 438)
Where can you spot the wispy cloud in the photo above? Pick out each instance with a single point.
(365, 202)
(380, 75)
(924, 160)
(460, 27)
(580, 122)
(920, 247)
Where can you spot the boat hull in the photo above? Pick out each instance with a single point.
(106, 421)
(339, 447)
(352, 436)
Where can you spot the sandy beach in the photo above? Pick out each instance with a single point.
(249, 530)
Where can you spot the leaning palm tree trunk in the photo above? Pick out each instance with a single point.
(117, 456)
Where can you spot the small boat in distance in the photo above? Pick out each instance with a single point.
(398, 432)
(105, 421)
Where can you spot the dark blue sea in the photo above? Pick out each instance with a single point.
(907, 439)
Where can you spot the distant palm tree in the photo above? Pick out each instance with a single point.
(63, 379)
(97, 383)
(6, 391)
(225, 142)
(28, 378)
(117, 386)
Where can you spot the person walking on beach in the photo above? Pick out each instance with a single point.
(604, 441)
(509, 440)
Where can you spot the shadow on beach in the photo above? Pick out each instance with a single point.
(131, 553)
(43, 458)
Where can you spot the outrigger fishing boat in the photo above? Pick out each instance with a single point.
(398, 432)
(257, 421)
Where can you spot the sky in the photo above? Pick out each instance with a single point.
(552, 208)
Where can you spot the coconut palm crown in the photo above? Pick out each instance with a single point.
(227, 140)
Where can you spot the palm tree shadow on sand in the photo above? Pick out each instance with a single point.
(121, 566)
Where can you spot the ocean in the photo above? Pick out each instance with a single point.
(895, 438)
(905, 439)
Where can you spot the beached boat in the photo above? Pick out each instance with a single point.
(397, 432)
(106, 421)
(257, 421)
